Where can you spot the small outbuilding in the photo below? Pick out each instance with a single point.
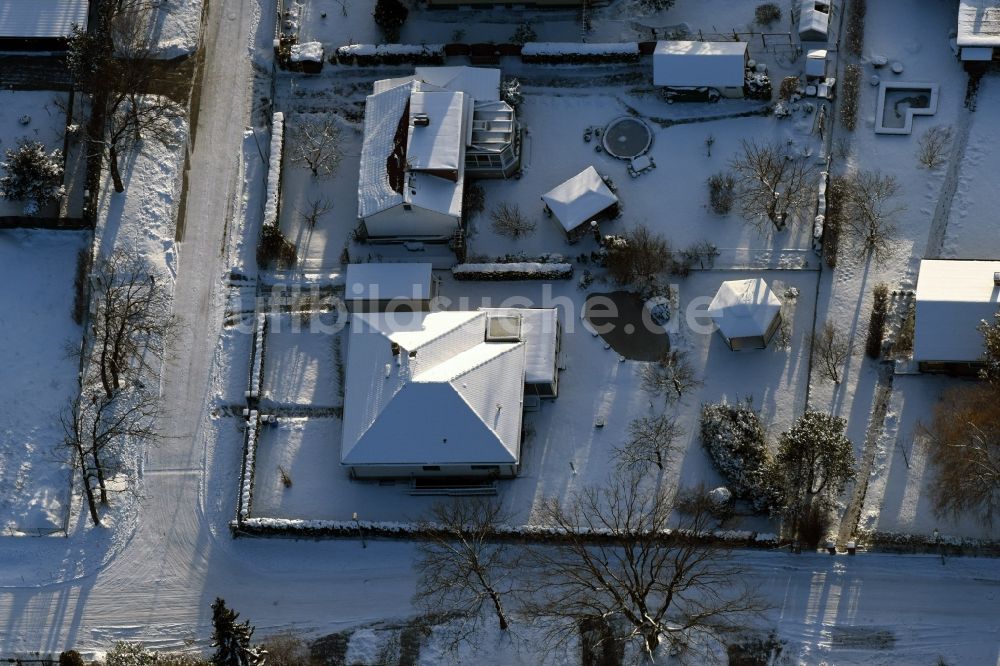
(541, 333)
(583, 198)
(816, 64)
(952, 298)
(382, 287)
(978, 30)
(686, 65)
(814, 20)
(746, 313)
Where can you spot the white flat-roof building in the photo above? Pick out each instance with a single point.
(691, 65)
(431, 395)
(389, 286)
(978, 33)
(746, 312)
(577, 201)
(952, 298)
(40, 24)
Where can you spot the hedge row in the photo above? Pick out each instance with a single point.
(851, 89)
(533, 52)
(876, 324)
(522, 270)
(389, 54)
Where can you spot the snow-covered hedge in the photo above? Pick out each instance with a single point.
(521, 270)
(251, 430)
(897, 542)
(572, 52)
(734, 439)
(274, 169)
(306, 57)
(257, 357)
(389, 54)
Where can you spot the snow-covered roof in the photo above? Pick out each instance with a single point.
(42, 18)
(952, 298)
(579, 199)
(978, 23)
(482, 84)
(428, 389)
(439, 145)
(744, 308)
(539, 330)
(384, 112)
(685, 64)
(388, 281)
(812, 21)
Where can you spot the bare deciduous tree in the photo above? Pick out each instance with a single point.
(509, 221)
(315, 141)
(965, 451)
(646, 585)
(638, 256)
(933, 146)
(316, 209)
(131, 319)
(772, 184)
(463, 568)
(671, 376)
(991, 351)
(869, 214)
(651, 441)
(96, 429)
(831, 349)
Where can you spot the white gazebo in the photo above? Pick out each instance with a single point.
(746, 312)
(582, 198)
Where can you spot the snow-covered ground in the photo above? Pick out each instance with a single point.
(176, 27)
(40, 376)
(31, 115)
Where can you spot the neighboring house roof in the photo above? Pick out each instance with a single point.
(439, 145)
(685, 64)
(370, 282)
(384, 111)
(539, 330)
(978, 23)
(952, 297)
(427, 389)
(744, 308)
(480, 83)
(579, 199)
(42, 18)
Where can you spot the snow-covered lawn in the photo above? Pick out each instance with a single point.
(175, 28)
(40, 376)
(299, 363)
(32, 115)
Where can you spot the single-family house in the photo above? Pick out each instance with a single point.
(746, 313)
(40, 25)
(389, 287)
(691, 66)
(421, 141)
(576, 202)
(952, 298)
(432, 395)
(814, 20)
(978, 33)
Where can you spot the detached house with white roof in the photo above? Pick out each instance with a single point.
(424, 134)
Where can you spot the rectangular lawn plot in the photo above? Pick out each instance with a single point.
(40, 377)
(299, 365)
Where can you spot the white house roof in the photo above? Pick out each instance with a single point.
(580, 198)
(685, 64)
(440, 144)
(811, 20)
(480, 83)
(978, 23)
(42, 18)
(428, 389)
(952, 298)
(540, 334)
(744, 308)
(384, 112)
(388, 281)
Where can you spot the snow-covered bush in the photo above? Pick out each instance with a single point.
(32, 176)
(575, 52)
(129, 654)
(735, 441)
(390, 15)
(720, 192)
(767, 13)
(509, 221)
(510, 92)
(390, 54)
(523, 270)
(272, 200)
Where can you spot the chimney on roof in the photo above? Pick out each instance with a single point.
(421, 120)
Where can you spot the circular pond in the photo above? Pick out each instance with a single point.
(626, 137)
(626, 323)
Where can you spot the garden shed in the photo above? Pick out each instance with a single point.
(692, 65)
(746, 313)
(952, 298)
(579, 200)
(814, 20)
